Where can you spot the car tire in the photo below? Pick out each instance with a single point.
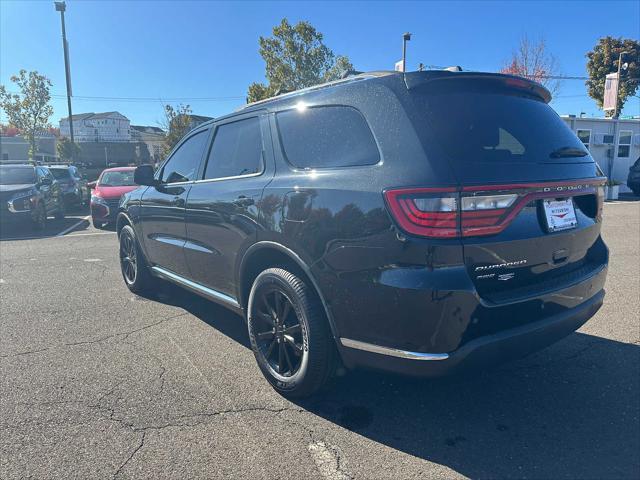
(289, 333)
(133, 266)
(60, 213)
(39, 218)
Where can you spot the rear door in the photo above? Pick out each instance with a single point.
(529, 192)
(163, 207)
(222, 208)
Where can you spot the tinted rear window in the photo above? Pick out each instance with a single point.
(237, 150)
(494, 127)
(323, 137)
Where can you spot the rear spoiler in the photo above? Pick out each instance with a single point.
(418, 79)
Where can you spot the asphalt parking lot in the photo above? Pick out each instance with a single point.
(98, 383)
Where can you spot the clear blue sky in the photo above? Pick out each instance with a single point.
(176, 49)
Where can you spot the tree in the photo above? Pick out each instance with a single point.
(296, 57)
(532, 60)
(28, 111)
(177, 123)
(603, 59)
(66, 149)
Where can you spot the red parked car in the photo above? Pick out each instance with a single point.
(106, 193)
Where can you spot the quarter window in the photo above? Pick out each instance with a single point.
(236, 150)
(184, 163)
(585, 137)
(325, 137)
(624, 143)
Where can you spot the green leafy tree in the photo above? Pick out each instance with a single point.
(28, 111)
(67, 150)
(603, 59)
(296, 57)
(177, 123)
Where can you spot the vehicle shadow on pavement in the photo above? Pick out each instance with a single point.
(570, 411)
(53, 227)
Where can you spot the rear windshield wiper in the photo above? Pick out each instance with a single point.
(565, 152)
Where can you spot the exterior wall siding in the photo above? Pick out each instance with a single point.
(610, 157)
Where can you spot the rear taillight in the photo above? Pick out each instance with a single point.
(483, 214)
(426, 212)
(475, 211)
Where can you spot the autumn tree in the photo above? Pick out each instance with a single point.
(28, 110)
(177, 122)
(296, 57)
(66, 149)
(603, 59)
(534, 61)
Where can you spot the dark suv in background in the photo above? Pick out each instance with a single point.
(29, 194)
(419, 223)
(74, 187)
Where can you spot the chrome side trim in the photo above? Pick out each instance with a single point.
(393, 352)
(235, 177)
(201, 289)
(176, 242)
(188, 244)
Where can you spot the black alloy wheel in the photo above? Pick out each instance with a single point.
(289, 333)
(128, 258)
(278, 332)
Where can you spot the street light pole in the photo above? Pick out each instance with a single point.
(405, 38)
(61, 7)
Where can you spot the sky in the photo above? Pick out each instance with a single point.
(205, 54)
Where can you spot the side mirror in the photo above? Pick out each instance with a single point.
(143, 175)
(92, 185)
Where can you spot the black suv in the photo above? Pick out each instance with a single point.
(418, 223)
(74, 188)
(29, 194)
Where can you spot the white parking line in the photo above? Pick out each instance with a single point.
(90, 234)
(73, 227)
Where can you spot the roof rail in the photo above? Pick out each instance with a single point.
(349, 78)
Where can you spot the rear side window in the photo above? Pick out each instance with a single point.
(493, 127)
(236, 150)
(325, 137)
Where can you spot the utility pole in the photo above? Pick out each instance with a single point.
(61, 7)
(405, 38)
(615, 110)
(616, 115)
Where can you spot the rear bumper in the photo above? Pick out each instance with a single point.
(475, 354)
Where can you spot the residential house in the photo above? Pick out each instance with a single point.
(614, 144)
(97, 127)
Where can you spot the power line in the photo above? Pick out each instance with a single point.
(147, 99)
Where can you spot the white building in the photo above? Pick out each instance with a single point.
(98, 127)
(614, 144)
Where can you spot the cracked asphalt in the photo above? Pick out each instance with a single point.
(98, 383)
